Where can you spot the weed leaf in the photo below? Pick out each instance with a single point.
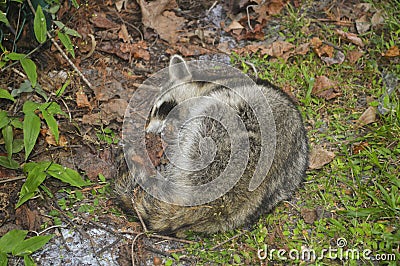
(66, 175)
(30, 69)
(28, 246)
(10, 240)
(8, 163)
(51, 123)
(3, 259)
(4, 19)
(28, 261)
(15, 56)
(8, 137)
(31, 128)
(3, 119)
(66, 30)
(36, 175)
(39, 25)
(4, 94)
(66, 41)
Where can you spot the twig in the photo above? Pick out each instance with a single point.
(211, 8)
(132, 247)
(92, 47)
(13, 179)
(228, 240)
(139, 216)
(133, 26)
(248, 16)
(62, 52)
(171, 238)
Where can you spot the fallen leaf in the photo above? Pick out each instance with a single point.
(191, 50)
(353, 56)
(165, 23)
(351, 37)
(140, 50)
(82, 100)
(62, 141)
(102, 22)
(359, 147)
(368, 117)
(320, 157)
(337, 59)
(264, 9)
(378, 18)
(362, 24)
(123, 34)
(325, 88)
(235, 25)
(392, 52)
(278, 48)
(364, 7)
(309, 215)
(315, 42)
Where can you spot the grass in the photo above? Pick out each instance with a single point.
(356, 197)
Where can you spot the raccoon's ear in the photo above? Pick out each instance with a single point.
(178, 69)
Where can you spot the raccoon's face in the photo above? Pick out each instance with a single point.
(158, 115)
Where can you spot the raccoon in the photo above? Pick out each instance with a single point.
(206, 149)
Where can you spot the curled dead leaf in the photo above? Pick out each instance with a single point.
(82, 100)
(351, 37)
(155, 15)
(320, 157)
(353, 56)
(325, 88)
(123, 34)
(362, 24)
(392, 52)
(368, 117)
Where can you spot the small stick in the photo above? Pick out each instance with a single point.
(228, 240)
(139, 216)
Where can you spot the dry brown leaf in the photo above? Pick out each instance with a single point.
(309, 215)
(191, 50)
(315, 42)
(359, 147)
(351, 37)
(140, 50)
(278, 48)
(165, 23)
(378, 18)
(368, 117)
(82, 100)
(101, 21)
(320, 157)
(235, 25)
(353, 56)
(325, 88)
(123, 34)
(337, 59)
(268, 8)
(62, 141)
(392, 52)
(362, 24)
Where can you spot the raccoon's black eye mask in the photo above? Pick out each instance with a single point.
(164, 109)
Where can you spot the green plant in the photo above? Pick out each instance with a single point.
(16, 244)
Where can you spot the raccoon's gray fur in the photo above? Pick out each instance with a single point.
(238, 206)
